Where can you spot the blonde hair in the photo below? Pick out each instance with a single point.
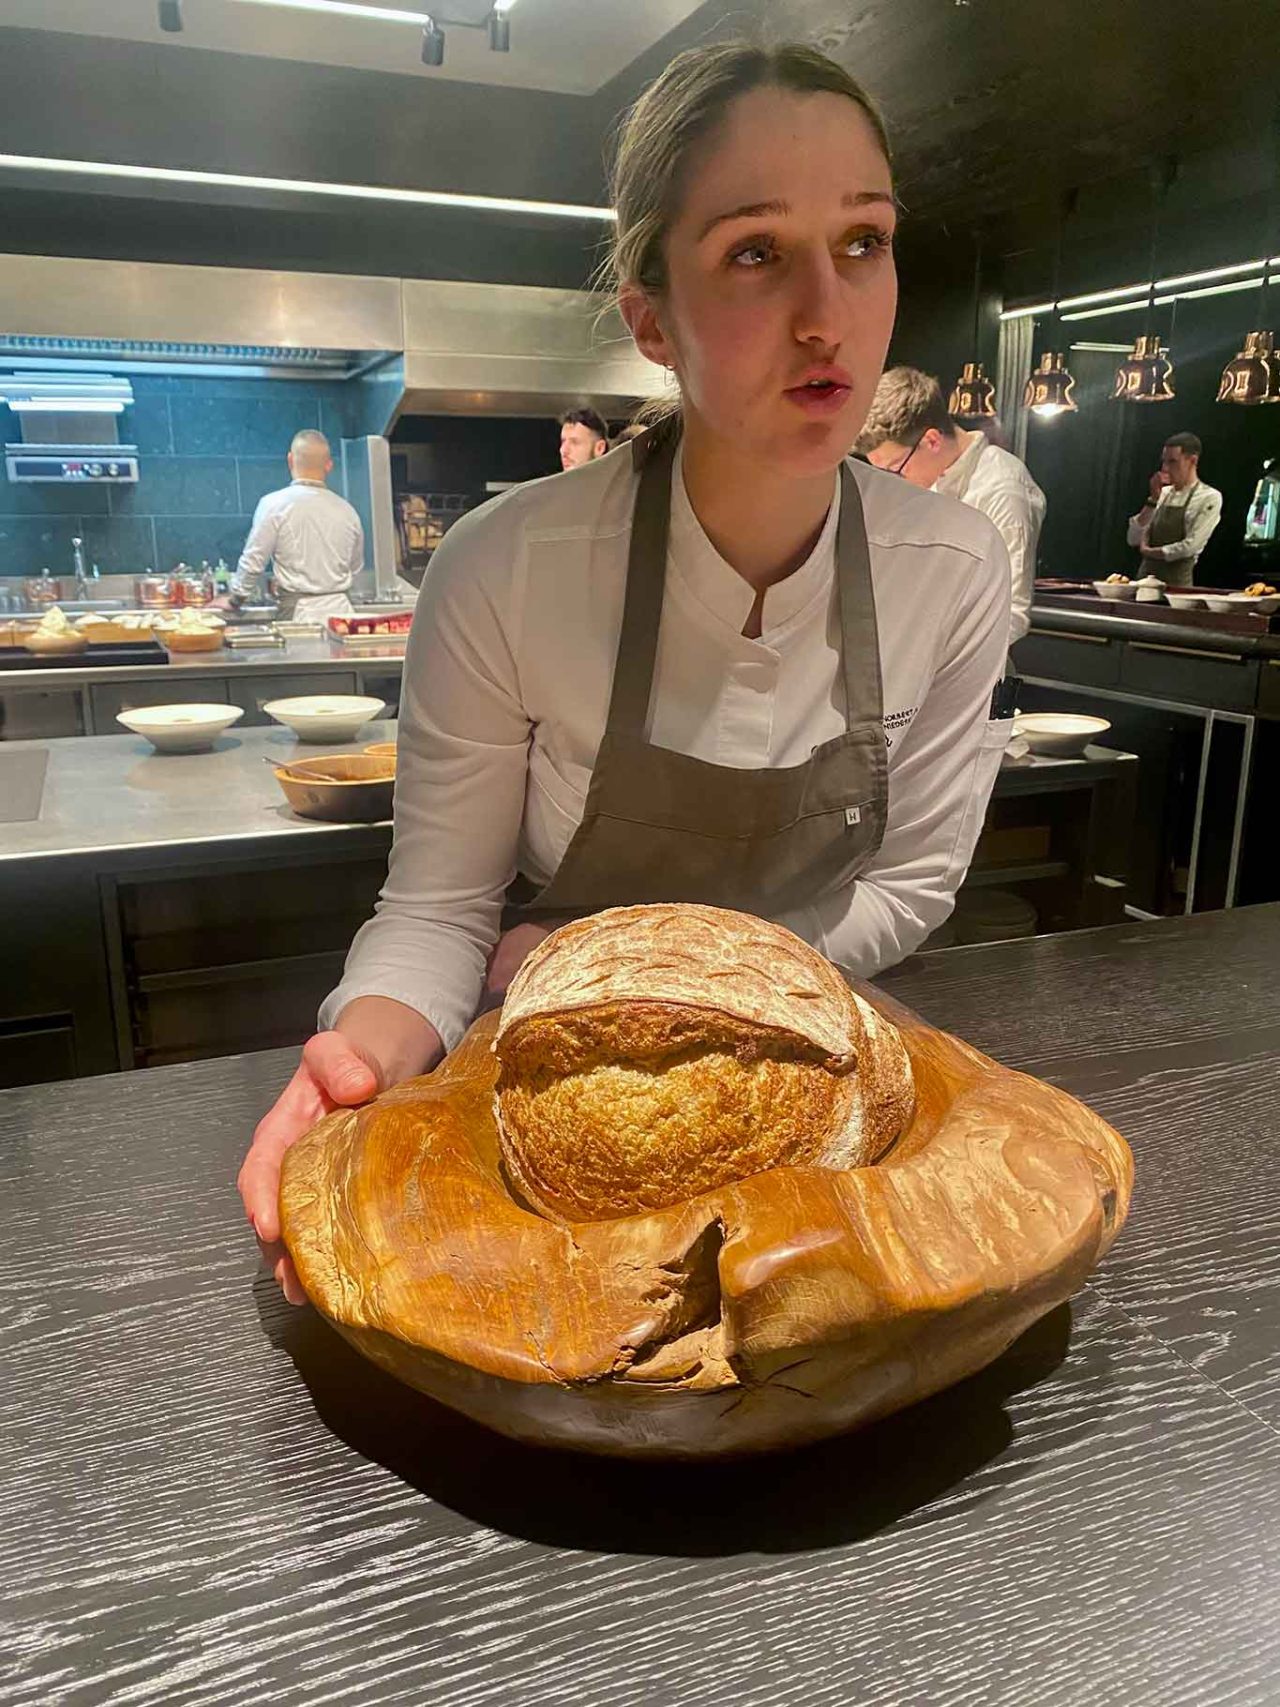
(906, 404)
(660, 134)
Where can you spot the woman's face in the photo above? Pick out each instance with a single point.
(781, 287)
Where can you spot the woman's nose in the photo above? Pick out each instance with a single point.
(819, 310)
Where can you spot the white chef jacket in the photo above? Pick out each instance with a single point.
(1204, 511)
(1000, 485)
(315, 540)
(506, 693)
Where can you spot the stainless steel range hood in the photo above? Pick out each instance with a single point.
(468, 348)
(479, 349)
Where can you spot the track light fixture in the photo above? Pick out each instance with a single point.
(171, 16)
(432, 43)
(495, 19)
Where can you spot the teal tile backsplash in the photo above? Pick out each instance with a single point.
(208, 449)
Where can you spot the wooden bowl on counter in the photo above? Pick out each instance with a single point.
(352, 788)
(764, 1314)
(173, 640)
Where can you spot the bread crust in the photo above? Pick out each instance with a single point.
(650, 1054)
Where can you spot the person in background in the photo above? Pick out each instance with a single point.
(1173, 527)
(312, 537)
(910, 433)
(583, 437)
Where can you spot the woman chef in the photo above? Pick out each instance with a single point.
(723, 664)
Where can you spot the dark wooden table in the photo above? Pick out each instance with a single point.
(210, 1501)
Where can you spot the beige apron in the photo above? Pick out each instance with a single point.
(1168, 526)
(312, 607)
(662, 826)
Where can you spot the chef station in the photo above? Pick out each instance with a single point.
(266, 337)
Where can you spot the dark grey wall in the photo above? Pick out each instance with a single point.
(208, 450)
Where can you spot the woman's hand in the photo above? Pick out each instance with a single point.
(378, 1042)
(510, 952)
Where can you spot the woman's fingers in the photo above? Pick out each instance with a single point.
(333, 1073)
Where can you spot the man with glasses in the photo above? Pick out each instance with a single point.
(909, 432)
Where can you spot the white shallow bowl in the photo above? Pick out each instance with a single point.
(180, 728)
(1116, 589)
(1058, 734)
(1266, 602)
(326, 716)
(1221, 603)
(1184, 601)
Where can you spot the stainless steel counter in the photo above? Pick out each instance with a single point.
(312, 654)
(110, 793)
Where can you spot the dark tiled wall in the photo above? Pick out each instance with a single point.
(208, 450)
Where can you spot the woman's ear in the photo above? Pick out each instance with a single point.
(637, 309)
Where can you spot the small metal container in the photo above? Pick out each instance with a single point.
(154, 592)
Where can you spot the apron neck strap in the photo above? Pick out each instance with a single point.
(654, 455)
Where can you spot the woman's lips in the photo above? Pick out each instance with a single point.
(825, 399)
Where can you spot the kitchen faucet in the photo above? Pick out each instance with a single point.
(82, 580)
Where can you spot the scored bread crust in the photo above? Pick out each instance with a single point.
(648, 1054)
(694, 956)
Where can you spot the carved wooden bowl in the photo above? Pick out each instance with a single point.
(792, 1305)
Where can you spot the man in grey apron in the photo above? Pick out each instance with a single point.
(1182, 512)
(661, 826)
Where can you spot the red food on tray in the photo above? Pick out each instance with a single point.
(386, 622)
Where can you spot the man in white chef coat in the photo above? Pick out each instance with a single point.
(909, 432)
(311, 535)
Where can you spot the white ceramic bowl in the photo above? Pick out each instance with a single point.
(1221, 602)
(1058, 734)
(1266, 602)
(326, 716)
(1116, 589)
(1184, 601)
(180, 728)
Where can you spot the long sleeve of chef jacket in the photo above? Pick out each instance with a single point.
(506, 686)
(258, 548)
(938, 797)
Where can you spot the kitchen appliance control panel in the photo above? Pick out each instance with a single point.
(105, 465)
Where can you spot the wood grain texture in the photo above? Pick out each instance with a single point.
(211, 1501)
(766, 1313)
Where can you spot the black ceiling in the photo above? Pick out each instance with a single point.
(995, 106)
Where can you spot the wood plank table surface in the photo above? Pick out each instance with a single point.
(209, 1500)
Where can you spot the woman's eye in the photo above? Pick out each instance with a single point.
(750, 255)
(868, 243)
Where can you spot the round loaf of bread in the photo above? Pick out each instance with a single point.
(647, 1054)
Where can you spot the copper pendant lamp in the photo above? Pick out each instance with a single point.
(1254, 375)
(1050, 389)
(973, 396)
(1146, 374)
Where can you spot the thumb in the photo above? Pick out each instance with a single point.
(341, 1069)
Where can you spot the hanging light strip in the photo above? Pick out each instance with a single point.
(302, 186)
(1163, 301)
(1121, 291)
(353, 9)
